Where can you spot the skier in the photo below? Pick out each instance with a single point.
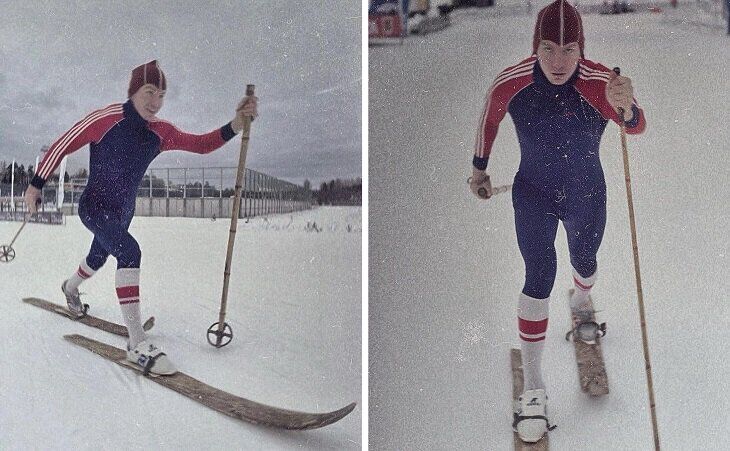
(124, 139)
(560, 103)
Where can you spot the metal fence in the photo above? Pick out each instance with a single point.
(189, 192)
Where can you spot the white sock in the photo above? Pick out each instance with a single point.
(127, 283)
(532, 316)
(582, 289)
(81, 274)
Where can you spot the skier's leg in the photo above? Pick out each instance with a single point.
(536, 224)
(584, 226)
(115, 238)
(95, 259)
(110, 234)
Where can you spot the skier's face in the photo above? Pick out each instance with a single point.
(148, 101)
(558, 62)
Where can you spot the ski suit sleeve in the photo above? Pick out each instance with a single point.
(591, 84)
(508, 83)
(88, 130)
(175, 139)
(494, 111)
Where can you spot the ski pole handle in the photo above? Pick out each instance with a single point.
(482, 192)
(621, 111)
(501, 189)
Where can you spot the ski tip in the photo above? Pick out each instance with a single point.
(334, 416)
(343, 412)
(73, 337)
(349, 408)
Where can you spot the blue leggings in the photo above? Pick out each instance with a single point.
(110, 238)
(536, 221)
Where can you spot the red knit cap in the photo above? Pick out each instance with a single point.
(144, 74)
(559, 22)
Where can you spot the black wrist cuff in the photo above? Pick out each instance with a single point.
(634, 120)
(227, 132)
(480, 163)
(37, 182)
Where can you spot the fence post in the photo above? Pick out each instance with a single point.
(202, 195)
(167, 194)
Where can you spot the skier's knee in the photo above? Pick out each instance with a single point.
(584, 265)
(96, 261)
(130, 256)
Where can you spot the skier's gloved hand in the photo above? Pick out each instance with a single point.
(246, 107)
(480, 184)
(32, 198)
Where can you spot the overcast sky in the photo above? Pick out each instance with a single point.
(60, 62)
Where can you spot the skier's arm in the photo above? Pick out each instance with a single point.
(172, 138)
(494, 111)
(175, 139)
(495, 108)
(89, 129)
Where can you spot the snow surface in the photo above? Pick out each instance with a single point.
(446, 271)
(294, 305)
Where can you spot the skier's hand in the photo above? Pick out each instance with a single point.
(32, 198)
(247, 107)
(620, 95)
(480, 184)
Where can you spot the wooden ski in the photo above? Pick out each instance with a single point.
(226, 403)
(517, 389)
(589, 357)
(89, 320)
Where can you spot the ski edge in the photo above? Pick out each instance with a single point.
(89, 320)
(245, 409)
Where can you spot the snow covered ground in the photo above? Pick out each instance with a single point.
(445, 267)
(294, 305)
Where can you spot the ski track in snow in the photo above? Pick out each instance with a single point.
(446, 271)
(289, 287)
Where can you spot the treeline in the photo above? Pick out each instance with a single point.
(339, 192)
(24, 175)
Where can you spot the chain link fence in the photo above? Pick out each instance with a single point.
(186, 192)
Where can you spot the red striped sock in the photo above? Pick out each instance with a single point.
(532, 319)
(82, 273)
(582, 290)
(127, 284)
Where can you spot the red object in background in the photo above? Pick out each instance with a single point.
(385, 26)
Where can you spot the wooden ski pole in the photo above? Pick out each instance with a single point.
(7, 253)
(637, 271)
(221, 330)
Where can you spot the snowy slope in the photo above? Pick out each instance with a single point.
(294, 305)
(446, 270)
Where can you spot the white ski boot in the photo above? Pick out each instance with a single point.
(73, 300)
(530, 420)
(151, 359)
